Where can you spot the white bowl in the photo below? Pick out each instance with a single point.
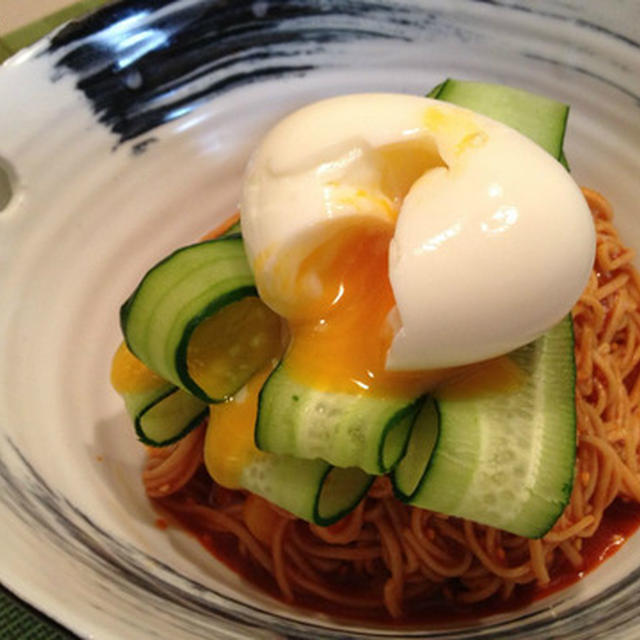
(123, 137)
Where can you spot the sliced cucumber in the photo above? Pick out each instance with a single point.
(434, 92)
(423, 439)
(346, 430)
(502, 458)
(507, 458)
(175, 297)
(165, 414)
(539, 118)
(310, 489)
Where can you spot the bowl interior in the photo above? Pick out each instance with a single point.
(90, 211)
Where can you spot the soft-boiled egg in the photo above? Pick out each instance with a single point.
(401, 234)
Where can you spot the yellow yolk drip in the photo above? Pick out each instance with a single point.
(496, 375)
(229, 446)
(344, 347)
(461, 129)
(129, 375)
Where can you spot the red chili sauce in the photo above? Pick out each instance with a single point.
(619, 522)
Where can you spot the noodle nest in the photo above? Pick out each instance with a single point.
(387, 554)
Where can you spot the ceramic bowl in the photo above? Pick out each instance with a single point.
(123, 136)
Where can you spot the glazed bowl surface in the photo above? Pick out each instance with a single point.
(125, 135)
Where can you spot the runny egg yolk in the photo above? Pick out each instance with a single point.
(129, 375)
(342, 344)
(229, 446)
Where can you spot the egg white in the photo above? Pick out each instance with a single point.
(493, 239)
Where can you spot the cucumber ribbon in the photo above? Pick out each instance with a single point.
(322, 448)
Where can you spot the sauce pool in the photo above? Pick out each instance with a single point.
(620, 521)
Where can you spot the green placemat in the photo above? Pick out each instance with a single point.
(18, 620)
(24, 36)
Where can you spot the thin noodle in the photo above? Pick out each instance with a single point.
(301, 563)
(348, 533)
(571, 553)
(279, 567)
(165, 475)
(390, 554)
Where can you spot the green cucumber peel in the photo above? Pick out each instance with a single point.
(344, 429)
(309, 489)
(518, 109)
(174, 297)
(164, 415)
(488, 451)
